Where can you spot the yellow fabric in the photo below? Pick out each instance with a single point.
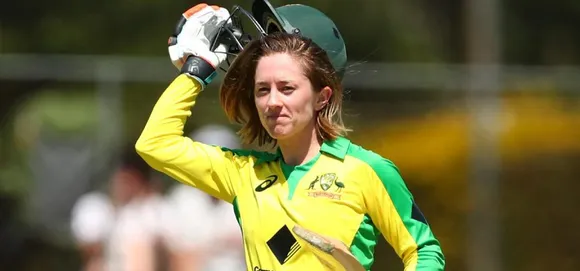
(331, 196)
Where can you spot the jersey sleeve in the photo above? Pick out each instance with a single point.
(395, 213)
(163, 146)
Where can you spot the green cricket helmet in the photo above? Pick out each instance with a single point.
(294, 19)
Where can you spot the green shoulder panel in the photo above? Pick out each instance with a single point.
(429, 250)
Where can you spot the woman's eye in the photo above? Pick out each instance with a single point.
(262, 90)
(287, 89)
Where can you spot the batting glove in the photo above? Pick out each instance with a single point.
(189, 46)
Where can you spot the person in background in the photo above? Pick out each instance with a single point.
(201, 231)
(91, 220)
(120, 230)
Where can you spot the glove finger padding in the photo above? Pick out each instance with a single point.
(200, 13)
(192, 37)
(187, 29)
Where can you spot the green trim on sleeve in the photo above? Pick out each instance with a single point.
(364, 242)
(237, 212)
(430, 255)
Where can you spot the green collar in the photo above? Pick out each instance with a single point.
(337, 148)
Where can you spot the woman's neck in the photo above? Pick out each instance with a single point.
(301, 148)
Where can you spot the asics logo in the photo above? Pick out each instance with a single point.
(270, 180)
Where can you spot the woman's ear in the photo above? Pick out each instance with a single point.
(323, 98)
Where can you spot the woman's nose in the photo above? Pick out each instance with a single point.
(273, 98)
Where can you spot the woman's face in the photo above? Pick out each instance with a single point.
(284, 97)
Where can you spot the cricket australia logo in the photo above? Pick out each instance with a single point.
(326, 185)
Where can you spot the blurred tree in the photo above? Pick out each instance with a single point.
(141, 28)
(417, 30)
(536, 32)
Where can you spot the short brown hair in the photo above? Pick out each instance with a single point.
(237, 89)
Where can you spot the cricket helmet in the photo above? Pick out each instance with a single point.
(294, 19)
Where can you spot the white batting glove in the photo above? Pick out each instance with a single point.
(189, 46)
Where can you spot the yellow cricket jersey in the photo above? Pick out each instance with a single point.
(346, 192)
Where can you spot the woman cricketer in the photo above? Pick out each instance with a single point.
(285, 89)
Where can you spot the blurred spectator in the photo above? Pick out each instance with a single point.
(91, 222)
(121, 231)
(202, 232)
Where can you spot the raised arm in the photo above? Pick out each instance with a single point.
(397, 216)
(162, 143)
(163, 146)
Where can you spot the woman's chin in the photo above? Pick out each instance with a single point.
(279, 132)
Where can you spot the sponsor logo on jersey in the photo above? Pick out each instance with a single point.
(270, 180)
(283, 245)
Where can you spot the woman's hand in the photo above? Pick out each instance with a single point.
(189, 46)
